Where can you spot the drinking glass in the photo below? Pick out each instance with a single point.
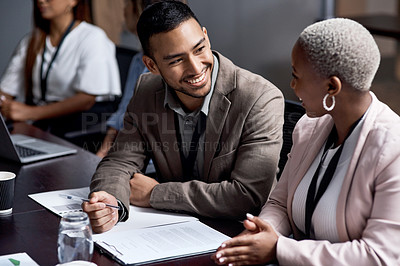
(75, 238)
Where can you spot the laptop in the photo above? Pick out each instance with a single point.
(26, 149)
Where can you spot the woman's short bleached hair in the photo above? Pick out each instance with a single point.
(343, 48)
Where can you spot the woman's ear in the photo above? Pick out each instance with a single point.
(74, 3)
(150, 64)
(334, 86)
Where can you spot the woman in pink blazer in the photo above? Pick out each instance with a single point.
(338, 199)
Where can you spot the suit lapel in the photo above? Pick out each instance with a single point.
(348, 179)
(313, 146)
(219, 107)
(319, 134)
(218, 111)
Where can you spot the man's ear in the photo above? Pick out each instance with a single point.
(334, 86)
(150, 64)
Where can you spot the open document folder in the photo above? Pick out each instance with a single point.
(152, 244)
(148, 235)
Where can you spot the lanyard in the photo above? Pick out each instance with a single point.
(312, 198)
(188, 162)
(43, 80)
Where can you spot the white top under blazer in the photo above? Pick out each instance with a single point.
(323, 224)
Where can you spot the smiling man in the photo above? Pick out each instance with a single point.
(212, 129)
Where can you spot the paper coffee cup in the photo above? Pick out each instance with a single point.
(7, 180)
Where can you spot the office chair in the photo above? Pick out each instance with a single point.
(293, 112)
(91, 137)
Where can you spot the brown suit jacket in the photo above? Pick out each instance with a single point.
(243, 139)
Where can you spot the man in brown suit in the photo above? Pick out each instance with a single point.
(212, 129)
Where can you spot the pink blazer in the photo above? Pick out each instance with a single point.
(368, 209)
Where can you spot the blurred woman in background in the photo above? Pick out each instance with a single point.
(64, 68)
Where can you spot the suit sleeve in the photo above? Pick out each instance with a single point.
(246, 186)
(126, 157)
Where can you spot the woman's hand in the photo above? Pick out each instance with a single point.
(16, 111)
(256, 246)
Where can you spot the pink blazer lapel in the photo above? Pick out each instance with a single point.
(309, 138)
(347, 182)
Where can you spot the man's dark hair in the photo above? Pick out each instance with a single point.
(161, 17)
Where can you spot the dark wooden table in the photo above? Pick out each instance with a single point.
(33, 229)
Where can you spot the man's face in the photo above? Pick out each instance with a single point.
(184, 59)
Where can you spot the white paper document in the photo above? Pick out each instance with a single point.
(138, 217)
(139, 246)
(54, 202)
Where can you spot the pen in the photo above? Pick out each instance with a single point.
(86, 200)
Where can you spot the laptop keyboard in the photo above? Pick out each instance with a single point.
(26, 152)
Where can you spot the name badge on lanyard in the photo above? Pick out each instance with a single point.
(43, 79)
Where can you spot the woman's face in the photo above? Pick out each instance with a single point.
(307, 84)
(51, 9)
(131, 17)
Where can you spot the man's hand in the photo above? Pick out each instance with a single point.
(102, 218)
(141, 188)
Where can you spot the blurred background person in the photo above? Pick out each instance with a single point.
(132, 11)
(108, 15)
(65, 67)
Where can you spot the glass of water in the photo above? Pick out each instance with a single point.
(75, 238)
